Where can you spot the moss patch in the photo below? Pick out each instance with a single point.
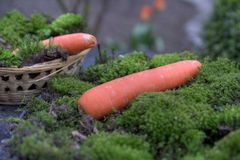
(164, 59)
(69, 85)
(122, 66)
(176, 124)
(115, 146)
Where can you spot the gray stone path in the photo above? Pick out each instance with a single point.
(5, 112)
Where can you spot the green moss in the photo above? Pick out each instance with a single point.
(227, 148)
(164, 59)
(230, 116)
(226, 90)
(64, 113)
(217, 84)
(43, 119)
(164, 117)
(221, 33)
(195, 93)
(37, 23)
(69, 85)
(193, 157)
(178, 124)
(193, 141)
(131, 63)
(68, 23)
(19, 26)
(172, 123)
(16, 26)
(115, 146)
(28, 47)
(7, 59)
(36, 105)
(67, 112)
(45, 146)
(16, 120)
(212, 70)
(24, 129)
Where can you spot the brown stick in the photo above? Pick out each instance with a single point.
(62, 6)
(101, 14)
(86, 9)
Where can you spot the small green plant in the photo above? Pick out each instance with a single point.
(7, 59)
(69, 85)
(117, 146)
(103, 56)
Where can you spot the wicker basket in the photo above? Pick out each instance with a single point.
(20, 84)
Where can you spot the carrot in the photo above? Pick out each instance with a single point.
(74, 43)
(116, 94)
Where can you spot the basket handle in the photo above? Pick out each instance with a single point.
(53, 73)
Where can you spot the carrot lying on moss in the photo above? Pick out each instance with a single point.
(74, 43)
(116, 94)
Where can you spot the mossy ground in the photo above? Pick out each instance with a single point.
(184, 123)
(22, 35)
(197, 121)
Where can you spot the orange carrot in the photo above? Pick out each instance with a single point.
(116, 94)
(74, 43)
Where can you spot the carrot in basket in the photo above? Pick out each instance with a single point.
(74, 43)
(116, 94)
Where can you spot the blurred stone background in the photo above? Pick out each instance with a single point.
(177, 25)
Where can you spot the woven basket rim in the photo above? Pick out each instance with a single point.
(12, 78)
(44, 65)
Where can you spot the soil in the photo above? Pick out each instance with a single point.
(45, 55)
